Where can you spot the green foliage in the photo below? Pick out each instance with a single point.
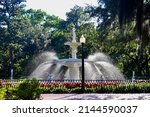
(104, 89)
(10, 26)
(128, 46)
(90, 90)
(59, 90)
(11, 93)
(133, 88)
(77, 16)
(119, 88)
(145, 87)
(46, 90)
(2, 93)
(28, 34)
(54, 90)
(28, 90)
(76, 90)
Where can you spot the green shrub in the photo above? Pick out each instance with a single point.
(28, 90)
(11, 93)
(79, 90)
(54, 90)
(120, 89)
(2, 93)
(89, 90)
(104, 89)
(133, 88)
(76, 90)
(145, 87)
(59, 90)
(46, 89)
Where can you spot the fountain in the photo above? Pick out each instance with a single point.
(97, 66)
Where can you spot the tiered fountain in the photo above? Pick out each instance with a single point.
(97, 66)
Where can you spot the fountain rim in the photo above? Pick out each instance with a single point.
(76, 60)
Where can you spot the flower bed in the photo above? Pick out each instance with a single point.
(9, 89)
(105, 87)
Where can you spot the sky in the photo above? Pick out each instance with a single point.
(58, 7)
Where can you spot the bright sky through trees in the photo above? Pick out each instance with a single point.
(58, 7)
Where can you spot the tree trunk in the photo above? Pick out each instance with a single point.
(146, 65)
(11, 64)
(140, 48)
(139, 68)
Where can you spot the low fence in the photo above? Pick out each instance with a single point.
(93, 81)
(97, 81)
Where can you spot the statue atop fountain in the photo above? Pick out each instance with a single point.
(74, 34)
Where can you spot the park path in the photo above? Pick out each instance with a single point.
(95, 96)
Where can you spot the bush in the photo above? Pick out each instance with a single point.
(104, 89)
(145, 87)
(76, 90)
(28, 90)
(46, 90)
(11, 93)
(133, 88)
(89, 90)
(60, 90)
(120, 89)
(2, 93)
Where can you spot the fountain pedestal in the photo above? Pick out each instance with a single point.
(73, 46)
(73, 68)
(74, 73)
(71, 64)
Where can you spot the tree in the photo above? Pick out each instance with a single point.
(77, 16)
(9, 10)
(38, 28)
(128, 12)
(137, 10)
